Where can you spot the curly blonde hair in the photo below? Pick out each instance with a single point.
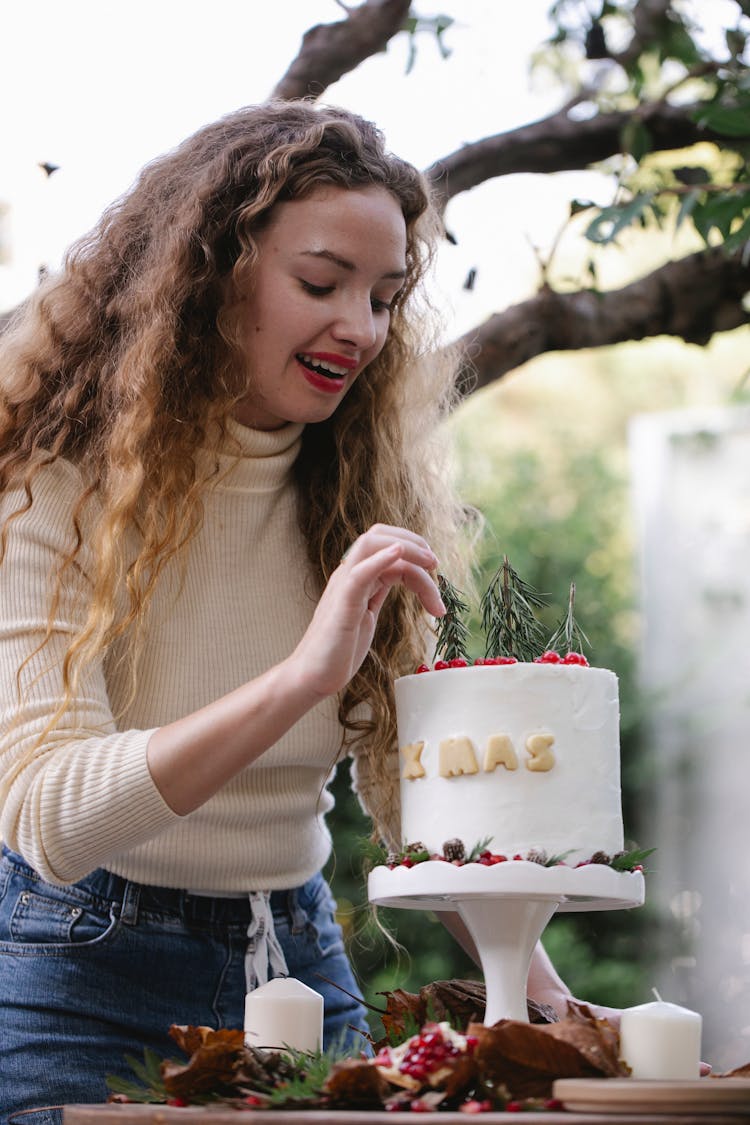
(127, 363)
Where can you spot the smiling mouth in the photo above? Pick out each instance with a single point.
(322, 367)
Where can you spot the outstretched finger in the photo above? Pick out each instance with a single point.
(419, 581)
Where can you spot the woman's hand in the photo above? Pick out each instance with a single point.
(343, 625)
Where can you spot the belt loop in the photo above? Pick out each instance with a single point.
(297, 915)
(130, 900)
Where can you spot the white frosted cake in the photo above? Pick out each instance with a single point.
(525, 756)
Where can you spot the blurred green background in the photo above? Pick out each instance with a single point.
(544, 455)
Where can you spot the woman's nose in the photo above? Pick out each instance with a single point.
(356, 324)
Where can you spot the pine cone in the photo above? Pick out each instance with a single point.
(412, 849)
(454, 849)
(600, 857)
(538, 855)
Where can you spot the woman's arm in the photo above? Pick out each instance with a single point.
(191, 759)
(80, 790)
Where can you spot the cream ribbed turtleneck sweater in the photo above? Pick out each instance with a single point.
(86, 798)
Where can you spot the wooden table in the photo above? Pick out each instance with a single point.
(166, 1115)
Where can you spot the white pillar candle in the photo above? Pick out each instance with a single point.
(661, 1040)
(284, 1013)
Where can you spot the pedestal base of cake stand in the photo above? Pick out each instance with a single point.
(505, 908)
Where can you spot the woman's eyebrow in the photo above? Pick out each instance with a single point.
(345, 264)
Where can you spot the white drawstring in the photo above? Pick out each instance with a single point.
(263, 949)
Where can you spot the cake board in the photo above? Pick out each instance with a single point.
(505, 908)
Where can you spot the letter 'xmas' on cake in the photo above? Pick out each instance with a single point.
(519, 749)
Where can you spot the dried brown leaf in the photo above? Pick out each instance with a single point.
(356, 1084)
(737, 1072)
(461, 1002)
(526, 1059)
(189, 1038)
(597, 1040)
(214, 1060)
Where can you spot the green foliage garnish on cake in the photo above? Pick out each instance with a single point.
(513, 633)
(455, 852)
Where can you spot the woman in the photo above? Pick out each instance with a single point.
(220, 471)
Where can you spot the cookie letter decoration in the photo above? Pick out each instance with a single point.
(457, 756)
(540, 748)
(500, 752)
(413, 767)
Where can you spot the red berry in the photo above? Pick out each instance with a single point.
(177, 1102)
(253, 1100)
(418, 1106)
(576, 658)
(480, 662)
(422, 668)
(506, 660)
(513, 1107)
(549, 657)
(440, 664)
(499, 858)
(458, 662)
(518, 856)
(553, 1103)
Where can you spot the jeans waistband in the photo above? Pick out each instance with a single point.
(131, 898)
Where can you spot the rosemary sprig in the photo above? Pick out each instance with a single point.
(508, 619)
(628, 860)
(452, 633)
(569, 635)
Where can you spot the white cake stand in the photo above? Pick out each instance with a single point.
(505, 908)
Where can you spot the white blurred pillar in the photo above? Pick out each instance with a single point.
(691, 482)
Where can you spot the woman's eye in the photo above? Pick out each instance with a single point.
(316, 290)
(379, 305)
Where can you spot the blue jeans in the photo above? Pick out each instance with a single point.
(100, 969)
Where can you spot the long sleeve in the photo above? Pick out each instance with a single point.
(235, 603)
(82, 771)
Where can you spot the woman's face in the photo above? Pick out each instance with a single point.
(328, 268)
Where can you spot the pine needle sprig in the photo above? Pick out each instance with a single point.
(568, 635)
(305, 1086)
(148, 1086)
(508, 616)
(452, 633)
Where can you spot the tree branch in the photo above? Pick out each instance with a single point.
(692, 298)
(558, 144)
(332, 49)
